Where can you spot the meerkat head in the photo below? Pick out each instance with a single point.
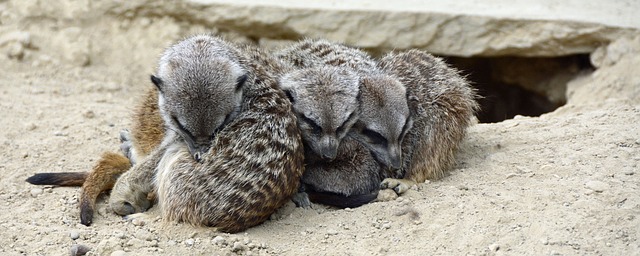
(384, 118)
(325, 101)
(201, 86)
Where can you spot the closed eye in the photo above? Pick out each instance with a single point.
(227, 120)
(342, 127)
(405, 129)
(316, 129)
(374, 137)
(181, 127)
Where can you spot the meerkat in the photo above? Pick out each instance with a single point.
(442, 105)
(146, 134)
(253, 165)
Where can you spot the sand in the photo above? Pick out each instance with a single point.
(565, 183)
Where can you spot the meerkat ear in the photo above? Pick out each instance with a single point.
(157, 82)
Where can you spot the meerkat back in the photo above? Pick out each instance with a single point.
(442, 105)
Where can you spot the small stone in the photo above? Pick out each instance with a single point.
(79, 250)
(219, 240)
(628, 171)
(238, 247)
(31, 127)
(74, 234)
(511, 175)
(119, 253)
(119, 234)
(137, 222)
(36, 192)
(59, 133)
(332, 232)
(544, 241)
(386, 225)
(597, 186)
(89, 114)
(189, 242)
(386, 195)
(494, 247)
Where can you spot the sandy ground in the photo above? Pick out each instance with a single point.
(565, 183)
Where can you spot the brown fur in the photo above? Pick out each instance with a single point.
(442, 105)
(147, 134)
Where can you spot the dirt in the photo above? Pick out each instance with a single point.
(564, 183)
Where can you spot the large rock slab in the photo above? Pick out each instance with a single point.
(456, 28)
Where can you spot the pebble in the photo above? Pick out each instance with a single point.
(597, 186)
(386, 225)
(332, 232)
(219, 240)
(494, 247)
(74, 234)
(118, 253)
(144, 235)
(628, 171)
(89, 114)
(79, 249)
(189, 242)
(511, 175)
(137, 222)
(386, 195)
(238, 246)
(36, 191)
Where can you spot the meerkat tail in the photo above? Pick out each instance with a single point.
(67, 179)
(341, 201)
(102, 178)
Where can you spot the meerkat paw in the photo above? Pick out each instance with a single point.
(398, 185)
(301, 199)
(125, 201)
(126, 145)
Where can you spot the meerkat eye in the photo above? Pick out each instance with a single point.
(343, 126)
(374, 137)
(227, 119)
(405, 129)
(181, 127)
(315, 128)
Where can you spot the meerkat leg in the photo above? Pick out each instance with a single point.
(301, 199)
(398, 185)
(131, 191)
(102, 178)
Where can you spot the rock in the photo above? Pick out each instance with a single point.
(480, 31)
(386, 195)
(239, 247)
(36, 192)
(137, 222)
(79, 250)
(74, 234)
(219, 240)
(119, 253)
(597, 186)
(494, 247)
(189, 242)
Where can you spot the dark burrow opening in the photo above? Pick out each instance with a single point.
(527, 86)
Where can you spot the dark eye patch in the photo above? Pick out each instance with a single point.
(374, 137)
(405, 129)
(181, 127)
(316, 129)
(241, 81)
(342, 127)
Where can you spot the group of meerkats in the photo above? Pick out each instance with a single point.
(231, 132)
